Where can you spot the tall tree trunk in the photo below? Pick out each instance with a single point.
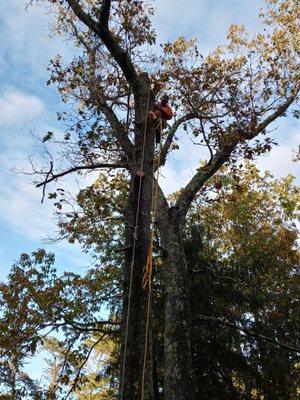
(179, 379)
(135, 303)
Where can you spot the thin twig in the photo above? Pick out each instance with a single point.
(79, 168)
(45, 183)
(82, 365)
(248, 332)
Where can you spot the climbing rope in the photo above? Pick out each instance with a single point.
(148, 269)
(134, 244)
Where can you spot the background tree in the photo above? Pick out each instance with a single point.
(99, 382)
(244, 262)
(36, 303)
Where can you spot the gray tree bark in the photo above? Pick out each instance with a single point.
(179, 377)
(138, 213)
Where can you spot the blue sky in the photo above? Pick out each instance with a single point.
(28, 105)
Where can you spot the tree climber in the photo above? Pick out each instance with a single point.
(162, 113)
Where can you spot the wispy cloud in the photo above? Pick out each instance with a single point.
(205, 20)
(182, 164)
(19, 210)
(26, 46)
(17, 107)
(280, 160)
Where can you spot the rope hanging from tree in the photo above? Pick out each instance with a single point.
(148, 269)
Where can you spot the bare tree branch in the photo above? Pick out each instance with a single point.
(247, 332)
(279, 112)
(171, 133)
(206, 140)
(204, 173)
(82, 366)
(120, 131)
(224, 277)
(45, 182)
(104, 12)
(92, 327)
(78, 168)
(101, 29)
(223, 154)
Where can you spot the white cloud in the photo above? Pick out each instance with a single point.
(22, 213)
(206, 20)
(20, 208)
(20, 201)
(279, 160)
(27, 47)
(181, 164)
(17, 107)
(24, 56)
